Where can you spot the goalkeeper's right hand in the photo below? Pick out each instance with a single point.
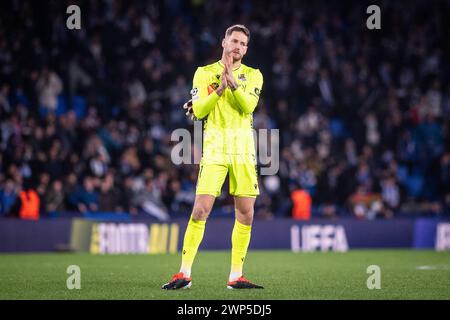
(189, 110)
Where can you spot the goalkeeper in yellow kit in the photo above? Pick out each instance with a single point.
(224, 95)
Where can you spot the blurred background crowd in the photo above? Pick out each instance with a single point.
(87, 115)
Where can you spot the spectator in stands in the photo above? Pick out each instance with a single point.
(391, 195)
(109, 196)
(8, 196)
(148, 199)
(54, 197)
(49, 86)
(301, 204)
(366, 204)
(86, 196)
(328, 188)
(70, 192)
(43, 185)
(363, 103)
(128, 191)
(29, 207)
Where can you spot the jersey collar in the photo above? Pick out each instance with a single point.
(221, 64)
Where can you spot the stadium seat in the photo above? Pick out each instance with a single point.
(402, 173)
(336, 128)
(414, 185)
(61, 108)
(79, 106)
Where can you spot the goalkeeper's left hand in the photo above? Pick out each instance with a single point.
(189, 110)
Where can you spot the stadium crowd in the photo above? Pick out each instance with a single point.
(87, 115)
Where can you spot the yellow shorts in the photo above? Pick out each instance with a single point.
(243, 176)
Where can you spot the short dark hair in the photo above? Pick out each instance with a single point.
(240, 28)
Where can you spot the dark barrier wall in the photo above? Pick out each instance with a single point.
(44, 235)
(432, 233)
(277, 234)
(146, 236)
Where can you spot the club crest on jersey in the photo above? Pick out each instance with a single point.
(242, 77)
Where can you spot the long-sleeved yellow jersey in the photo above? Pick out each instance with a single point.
(228, 118)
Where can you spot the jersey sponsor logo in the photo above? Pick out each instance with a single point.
(256, 93)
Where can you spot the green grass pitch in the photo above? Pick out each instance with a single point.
(405, 274)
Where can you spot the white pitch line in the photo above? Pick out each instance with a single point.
(435, 267)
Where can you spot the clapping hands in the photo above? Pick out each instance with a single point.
(228, 72)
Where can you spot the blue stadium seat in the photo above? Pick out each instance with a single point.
(79, 106)
(22, 99)
(336, 128)
(414, 185)
(61, 108)
(402, 173)
(43, 111)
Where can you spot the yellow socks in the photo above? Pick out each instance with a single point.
(192, 239)
(240, 240)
